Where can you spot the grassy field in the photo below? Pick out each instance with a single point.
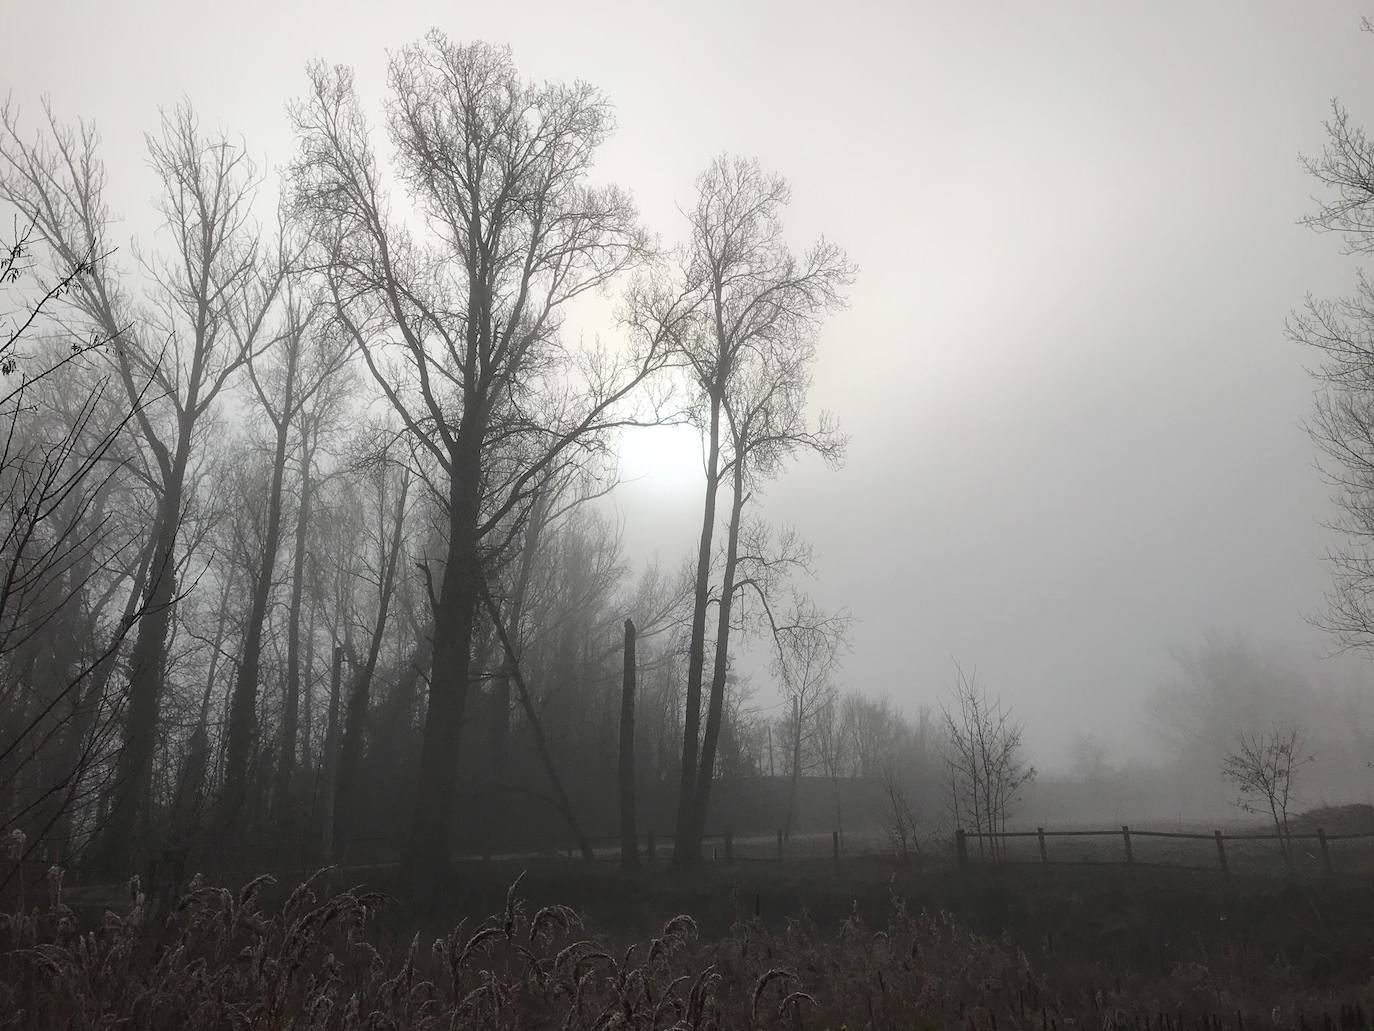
(753, 943)
(745, 945)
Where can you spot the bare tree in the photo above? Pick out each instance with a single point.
(749, 353)
(391, 495)
(805, 663)
(460, 332)
(202, 316)
(285, 380)
(65, 555)
(318, 419)
(629, 841)
(898, 816)
(832, 737)
(1340, 333)
(1262, 767)
(984, 761)
(875, 733)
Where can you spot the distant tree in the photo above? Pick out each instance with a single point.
(833, 739)
(898, 818)
(1262, 767)
(389, 495)
(298, 367)
(742, 747)
(805, 665)
(319, 419)
(1088, 759)
(1224, 681)
(985, 763)
(905, 756)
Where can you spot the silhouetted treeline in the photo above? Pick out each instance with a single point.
(302, 552)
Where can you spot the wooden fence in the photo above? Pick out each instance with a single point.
(1227, 853)
(999, 847)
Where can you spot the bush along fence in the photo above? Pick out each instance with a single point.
(1296, 852)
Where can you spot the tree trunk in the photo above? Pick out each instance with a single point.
(243, 711)
(78, 747)
(284, 793)
(629, 840)
(350, 754)
(127, 826)
(796, 767)
(307, 757)
(194, 775)
(57, 682)
(328, 762)
(454, 617)
(685, 852)
(715, 709)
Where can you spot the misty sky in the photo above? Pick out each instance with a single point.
(1075, 418)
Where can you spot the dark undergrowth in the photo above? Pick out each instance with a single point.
(591, 950)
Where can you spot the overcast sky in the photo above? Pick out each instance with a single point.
(1075, 418)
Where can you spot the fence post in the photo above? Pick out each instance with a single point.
(652, 850)
(1326, 854)
(1221, 852)
(835, 843)
(1126, 838)
(961, 848)
(779, 844)
(1040, 835)
(729, 846)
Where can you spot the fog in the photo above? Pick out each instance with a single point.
(1077, 463)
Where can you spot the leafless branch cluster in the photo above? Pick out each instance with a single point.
(1262, 768)
(984, 761)
(300, 511)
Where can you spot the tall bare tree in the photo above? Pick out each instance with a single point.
(66, 551)
(202, 314)
(285, 380)
(321, 415)
(749, 354)
(460, 326)
(391, 497)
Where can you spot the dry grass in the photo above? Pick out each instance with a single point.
(225, 959)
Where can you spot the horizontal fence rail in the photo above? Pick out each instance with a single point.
(1305, 851)
(973, 848)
